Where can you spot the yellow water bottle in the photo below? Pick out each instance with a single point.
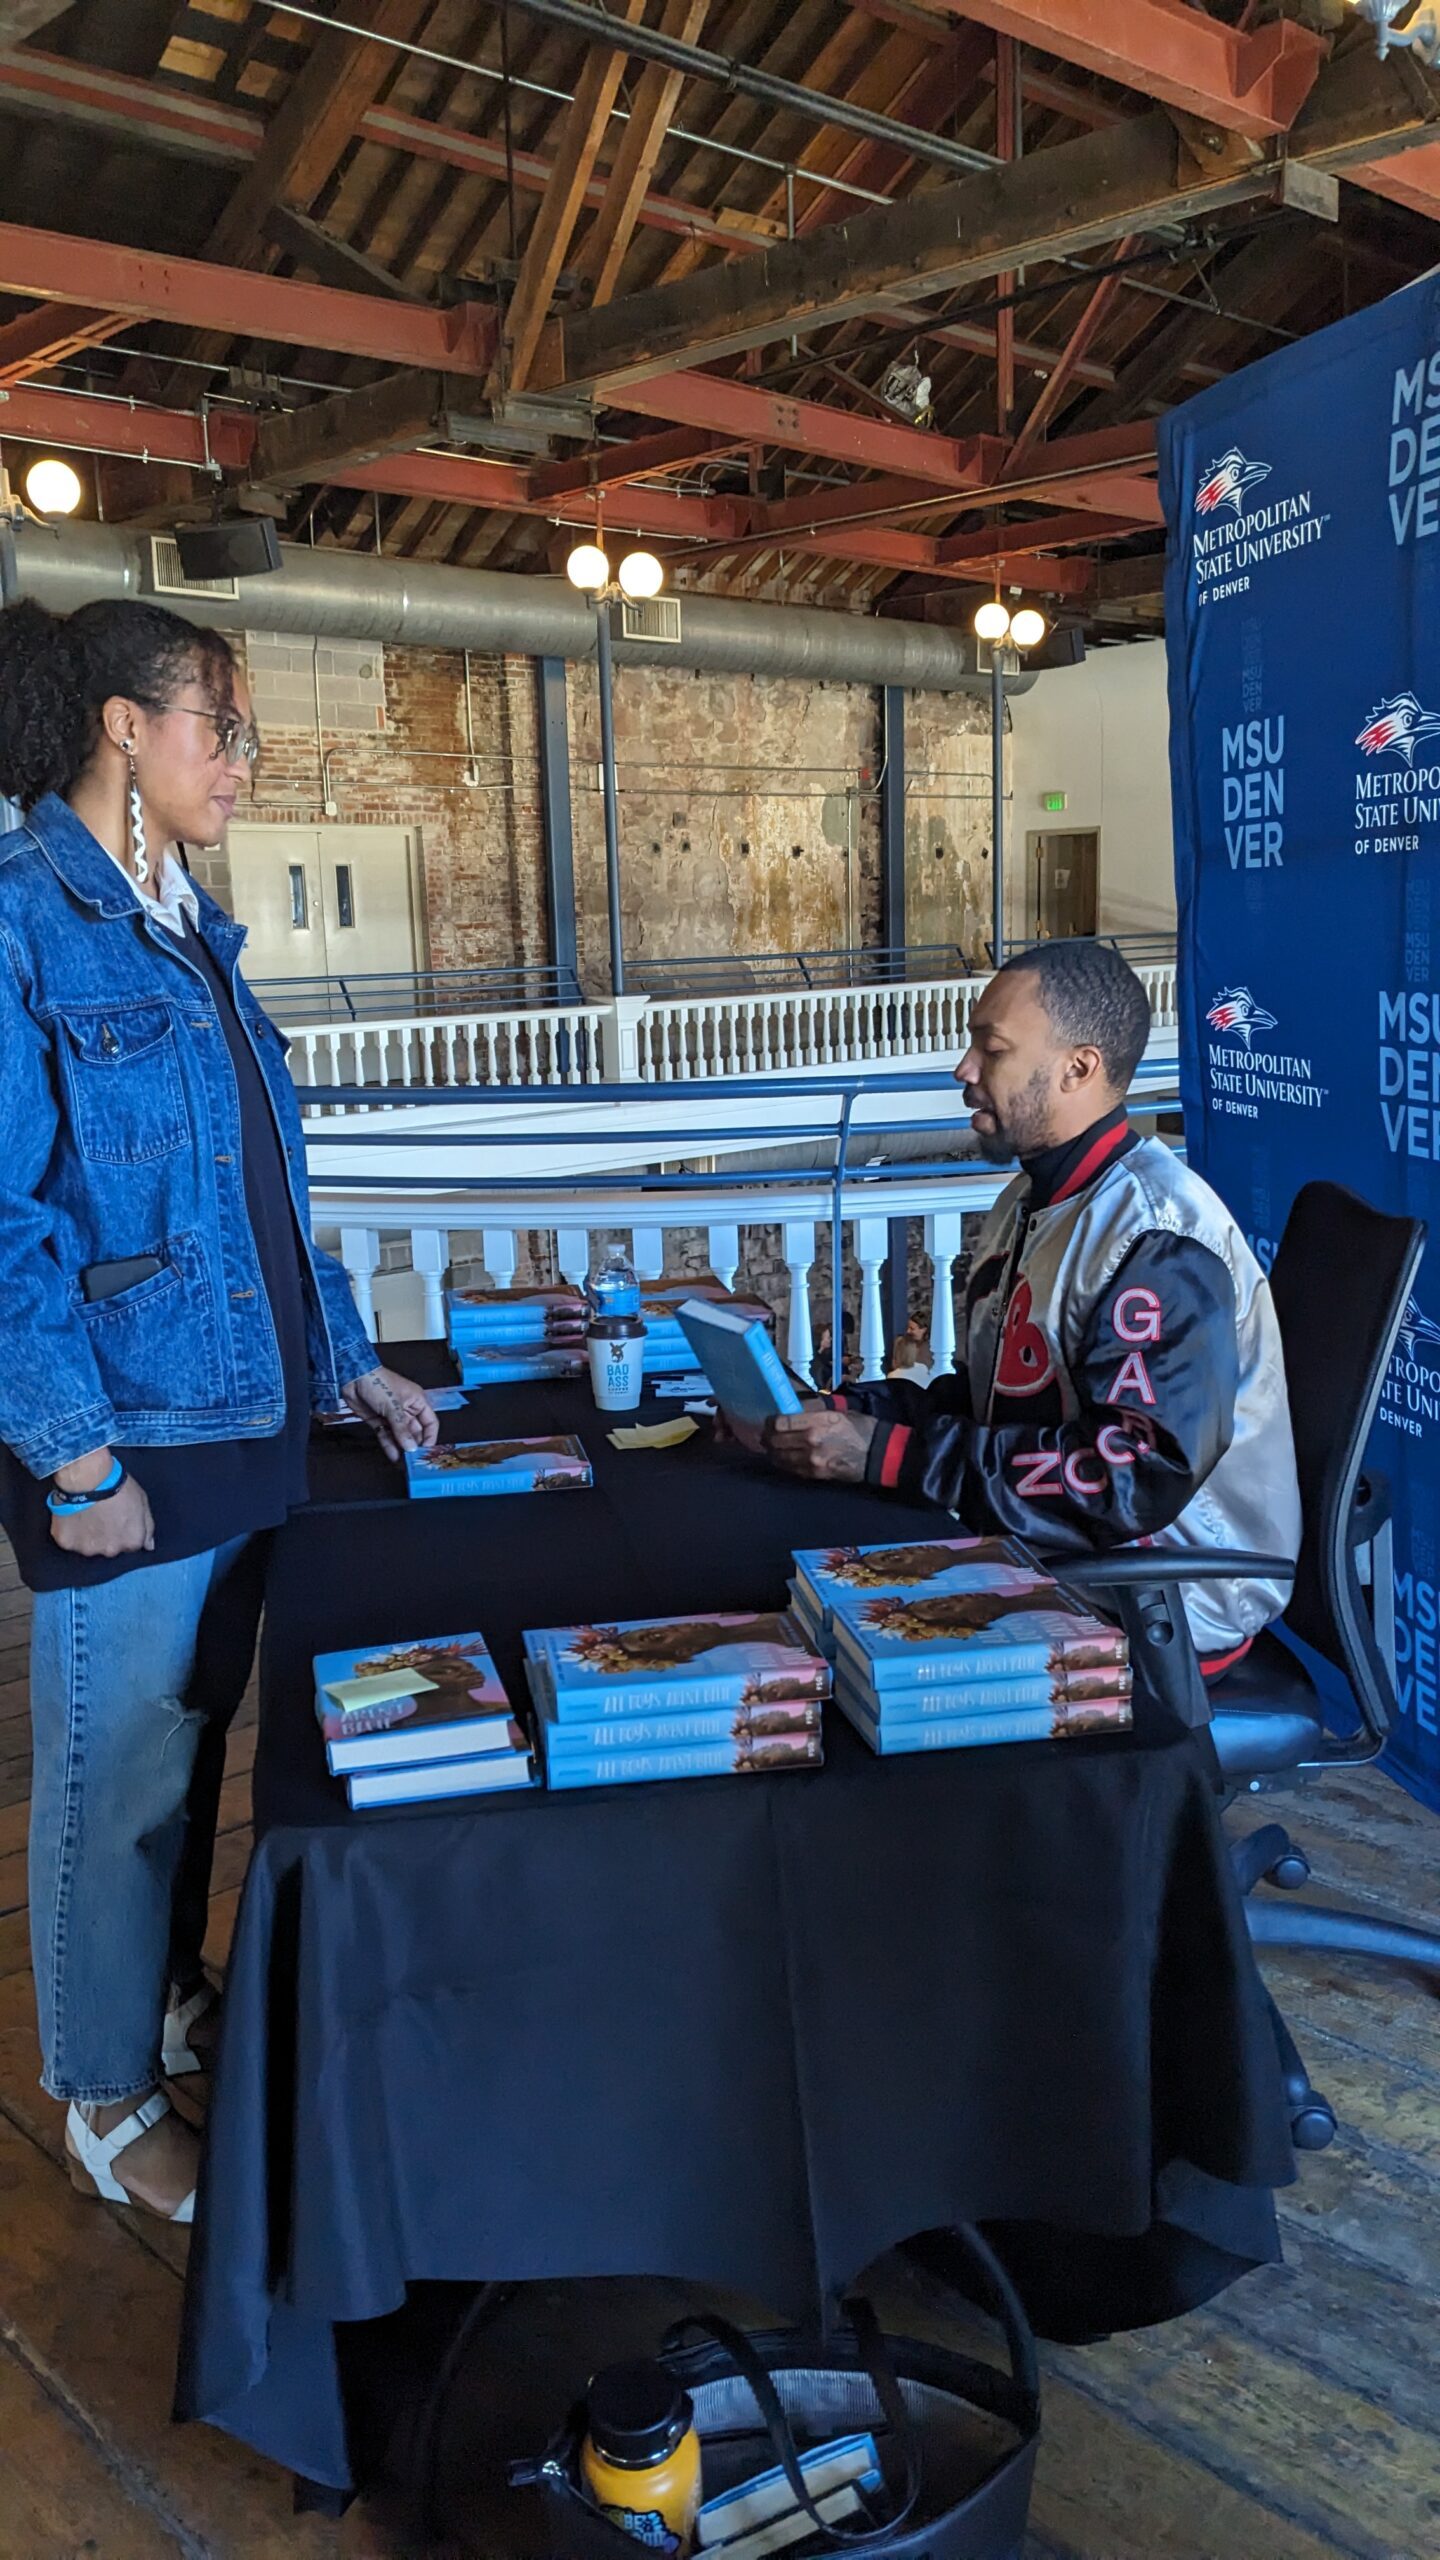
(640, 2460)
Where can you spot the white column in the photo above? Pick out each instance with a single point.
(724, 1244)
(429, 1256)
(572, 1252)
(798, 1241)
(360, 1253)
(497, 1246)
(943, 1236)
(647, 1252)
(872, 1246)
(620, 1039)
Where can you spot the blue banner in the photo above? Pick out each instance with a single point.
(1303, 613)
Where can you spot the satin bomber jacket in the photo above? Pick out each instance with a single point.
(1123, 1380)
(119, 1137)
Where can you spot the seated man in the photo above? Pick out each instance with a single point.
(1121, 1376)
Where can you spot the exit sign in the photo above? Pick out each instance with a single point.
(1053, 800)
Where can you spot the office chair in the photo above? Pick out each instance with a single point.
(1341, 1282)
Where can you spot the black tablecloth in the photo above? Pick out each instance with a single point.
(751, 2032)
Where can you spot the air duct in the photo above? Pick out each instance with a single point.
(351, 595)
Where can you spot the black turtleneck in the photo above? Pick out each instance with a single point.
(1051, 1169)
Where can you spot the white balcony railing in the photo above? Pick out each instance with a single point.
(662, 1040)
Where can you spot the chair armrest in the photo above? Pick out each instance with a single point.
(1370, 1510)
(1130, 1568)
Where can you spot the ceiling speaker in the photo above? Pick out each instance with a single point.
(237, 547)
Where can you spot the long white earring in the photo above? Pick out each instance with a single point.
(139, 856)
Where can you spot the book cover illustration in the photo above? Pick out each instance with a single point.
(553, 1464)
(1002, 1615)
(457, 1705)
(516, 1364)
(821, 1571)
(745, 1660)
(762, 1756)
(516, 1315)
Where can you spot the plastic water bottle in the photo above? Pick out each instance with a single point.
(614, 1289)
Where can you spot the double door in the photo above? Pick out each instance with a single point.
(326, 902)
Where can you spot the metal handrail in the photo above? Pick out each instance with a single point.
(365, 995)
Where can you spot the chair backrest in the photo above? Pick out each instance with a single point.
(1342, 1281)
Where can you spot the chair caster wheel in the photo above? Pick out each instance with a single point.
(1313, 2128)
(1289, 1872)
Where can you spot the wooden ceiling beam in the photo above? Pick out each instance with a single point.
(603, 252)
(20, 19)
(293, 446)
(1076, 195)
(328, 259)
(581, 133)
(637, 460)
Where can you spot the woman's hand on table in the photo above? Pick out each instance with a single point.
(121, 1525)
(400, 1413)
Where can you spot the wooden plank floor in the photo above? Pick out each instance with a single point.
(1297, 2419)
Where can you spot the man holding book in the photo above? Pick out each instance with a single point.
(1121, 1376)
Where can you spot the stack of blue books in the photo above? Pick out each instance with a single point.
(412, 1723)
(552, 1463)
(700, 1697)
(982, 1653)
(923, 1564)
(510, 1336)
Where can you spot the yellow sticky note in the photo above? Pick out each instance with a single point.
(654, 1435)
(374, 1687)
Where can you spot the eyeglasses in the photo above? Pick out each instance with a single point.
(233, 736)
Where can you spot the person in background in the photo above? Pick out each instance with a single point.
(167, 1325)
(910, 1355)
(1122, 1375)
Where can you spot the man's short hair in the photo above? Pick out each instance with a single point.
(1094, 1000)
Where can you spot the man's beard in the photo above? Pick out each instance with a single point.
(1025, 1127)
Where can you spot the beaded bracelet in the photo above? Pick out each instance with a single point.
(65, 1505)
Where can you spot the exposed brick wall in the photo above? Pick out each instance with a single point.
(749, 810)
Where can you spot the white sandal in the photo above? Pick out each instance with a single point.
(177, 2054)
(89, 2157)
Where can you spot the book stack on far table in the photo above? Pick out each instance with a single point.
(508, 1337)
(412, 1723)
(701, 1697)
(984, 1653)
(928, 1563)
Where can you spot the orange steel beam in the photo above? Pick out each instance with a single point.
(1411, 179)
(1014, 541)
(1254, 83)
(53, 330)
(55, 267)
(1090, 320)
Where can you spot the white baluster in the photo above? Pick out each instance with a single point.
(872, 1243)
(429, 1256)
(497, 1249)
(944, 1232)
(647, 1252)
(572, 1253)
(798, 1242)
(360, 1253)
(724, 1248)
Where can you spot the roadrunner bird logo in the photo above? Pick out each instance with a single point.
(1416, 1327)
(1236, 1012)
(1399, 726)
(1223, 483)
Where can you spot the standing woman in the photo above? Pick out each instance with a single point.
(166, 1328)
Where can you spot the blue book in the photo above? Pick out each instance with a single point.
(741, 1362)
(902, 1704)
(513, 1364)
(509, 1315)
(564, 1742)
(886, 1735)
(737, 1758)
(396, 1705)
(998, 1621)
(491, 1773)
(554, 1465)
(657, 1666)
(927, 1563)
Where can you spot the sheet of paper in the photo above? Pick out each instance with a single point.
(374, 1687)
(654, 1435)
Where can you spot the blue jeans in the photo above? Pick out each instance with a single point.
(133, 1685)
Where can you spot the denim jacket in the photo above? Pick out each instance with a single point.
(120, 1136)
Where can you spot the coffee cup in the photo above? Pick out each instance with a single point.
(616, 1345)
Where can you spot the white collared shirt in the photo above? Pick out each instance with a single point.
(174, 898)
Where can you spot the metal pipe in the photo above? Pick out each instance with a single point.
(650, 44)
(997, 803)
(350, 595)
(612, 806)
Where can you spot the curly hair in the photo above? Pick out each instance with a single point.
(1093, 998)
(57, 672)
